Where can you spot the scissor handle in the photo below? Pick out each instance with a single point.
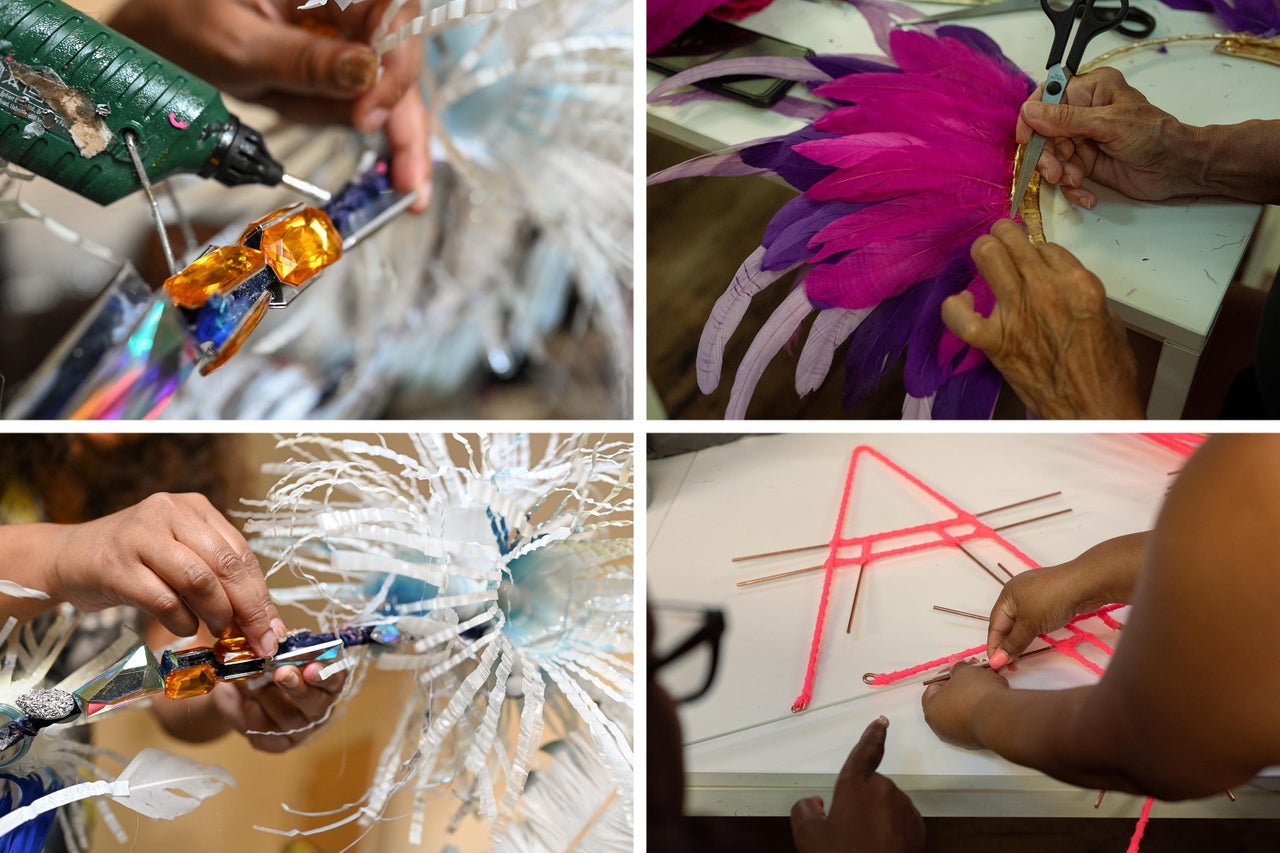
(1092, 25)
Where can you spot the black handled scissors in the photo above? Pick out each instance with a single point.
(1092, 23)
(1134, 23)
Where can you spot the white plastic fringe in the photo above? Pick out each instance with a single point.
(504, 571)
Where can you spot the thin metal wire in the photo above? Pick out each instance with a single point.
(828, 544)
(131, 143)
(184, 224)
(861, 570)
(1029, 520)
(961, 613)
(986, 665)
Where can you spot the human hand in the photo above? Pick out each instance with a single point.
(1051, 333)
(1043, 600)
(313, 66)
(864, 805)
(950, 707)
(1107, 130)
(296, 699)
(174, 557)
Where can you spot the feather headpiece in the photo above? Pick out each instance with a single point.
(908, 163)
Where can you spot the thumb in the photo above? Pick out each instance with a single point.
(292, 59)
(964, 322)
(1058, 120)
(810, 808)
(1008, 636)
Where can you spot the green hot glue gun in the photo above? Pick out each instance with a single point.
(76, 95)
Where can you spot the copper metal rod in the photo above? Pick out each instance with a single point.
(780, 553)
(960, 613)
(1098, 801)
(1231, 795)
(1013, 505)
(1000, 566)
(1029, 520)
(981, 564)
(985, 665)
(849, 628)
(780, 575)
(828, 544)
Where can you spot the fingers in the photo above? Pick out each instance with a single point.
(407, 136)
(1080, 197)
(158, 600)
(1057, 120)
(810, 808)
(968, 325)
(190, 585)
(300, 62)
(865, 757)
(398, 78)
(236, 570)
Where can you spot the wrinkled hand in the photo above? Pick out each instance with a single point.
(314, 66)
(175, 558)
(865, 806)
(950, 706)
(294, 700)
(1108, 131)
(1051, 333)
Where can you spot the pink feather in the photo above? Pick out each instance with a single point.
(956, 62)
(911, 217)
(970, 169)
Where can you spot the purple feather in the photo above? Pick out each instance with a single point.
(879, 340)
(786, 239)
(777, 156)
(773, 336)
(924, 373)
(968, 396)
(1260, 17)
(717, 164)
(782, 67)
(880, 16)
(830, 329)
(840, 66)
(726, 314)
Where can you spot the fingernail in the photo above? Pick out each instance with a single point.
(1033, 109)
(375, 119)
(883, 720)
(1089, 203)
(999, 659)
(811, 806)
(268, 645)
(277, 625)
(357, 68)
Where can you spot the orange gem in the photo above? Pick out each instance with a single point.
(270, 217)
(231, 648)
(216, 272)
(190, 681)
(299, 246)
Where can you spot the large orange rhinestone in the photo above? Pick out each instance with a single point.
(216, 272)
(190, 681)
(263, 220)
(232, 646)
(299, 246)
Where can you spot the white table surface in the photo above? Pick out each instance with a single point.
(765, 493)
(1166, 266)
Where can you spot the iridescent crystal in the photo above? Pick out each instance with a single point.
(299, 246)
(217, 271)
(190, 681)
(387, 635)
(134, 676)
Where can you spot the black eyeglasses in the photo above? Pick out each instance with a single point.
(691, 662)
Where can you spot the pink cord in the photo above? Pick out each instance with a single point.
(1182, 443)
(1141, 827)
(178, 123)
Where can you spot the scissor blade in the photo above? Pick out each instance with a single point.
(1029, 159)
(997, 8)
